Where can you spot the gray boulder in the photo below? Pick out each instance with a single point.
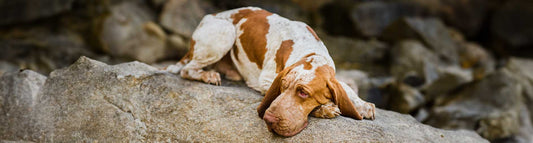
(351, 53)
(356, 79)
(130, 32)
(472, 55)
(431, 31)
(18, 93)
(370, 18)
(523, 71)
(493, 106)
(182, 16)
(413, 63)
(404, 98)
(7, 67)
(41, 49)
(449, 79)
(91, 101)
(466, 15)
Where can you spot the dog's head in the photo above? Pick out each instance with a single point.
(299, 89)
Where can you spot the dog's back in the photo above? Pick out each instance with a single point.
(266, 43)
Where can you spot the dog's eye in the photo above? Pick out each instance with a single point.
(302, 94)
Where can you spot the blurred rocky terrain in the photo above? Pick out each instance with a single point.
(451, 64)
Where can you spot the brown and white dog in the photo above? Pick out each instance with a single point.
(281, 58)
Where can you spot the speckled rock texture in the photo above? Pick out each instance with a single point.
(92, 101)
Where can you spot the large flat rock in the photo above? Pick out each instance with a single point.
(92, 101)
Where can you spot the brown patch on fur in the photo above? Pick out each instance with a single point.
(189, 54)
(313, 32)
(309, 55)
(253, 39)
(307, 64)
(282, 55)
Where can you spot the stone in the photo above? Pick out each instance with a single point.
(449, 79)
(337, 20)
(178, 45)
(370, 18)
(18, 91)
(129, 32)
(7, 67)
(378, 93)
(13, 12)
(371, 89)
(350, 53)
(92, 101)
(522, 70)
(467, 16)
(472, 55)
(357, 80)
(431, 31)
(404, 98)
(182, 16)
(491, 106)
(41, 49)
(413, 63)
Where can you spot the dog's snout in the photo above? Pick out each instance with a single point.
(270, 119)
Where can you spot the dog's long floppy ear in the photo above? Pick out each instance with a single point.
(342, 100)
(273, 92)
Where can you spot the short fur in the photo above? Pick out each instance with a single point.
(281, 58)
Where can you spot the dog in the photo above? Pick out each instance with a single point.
(284, 60)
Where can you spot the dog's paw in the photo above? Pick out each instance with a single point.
(211, 77)
(368, 111)
(329, 110)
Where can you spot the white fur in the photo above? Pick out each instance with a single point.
(280, 29)
(214, 38)
(215, 35)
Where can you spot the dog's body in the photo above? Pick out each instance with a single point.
(282, 58)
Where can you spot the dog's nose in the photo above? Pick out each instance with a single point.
(270, 119)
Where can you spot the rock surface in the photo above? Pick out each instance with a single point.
(370, 18)
(182, 16)
(92, 101)
(18, 93)
(494, 107)
(413, 63)
(28, 10)
(130, 32)
(356, 53)
(431, 31)
(41, 49)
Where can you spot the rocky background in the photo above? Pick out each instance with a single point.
(451, 64)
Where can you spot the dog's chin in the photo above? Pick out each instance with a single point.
(287, 133)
